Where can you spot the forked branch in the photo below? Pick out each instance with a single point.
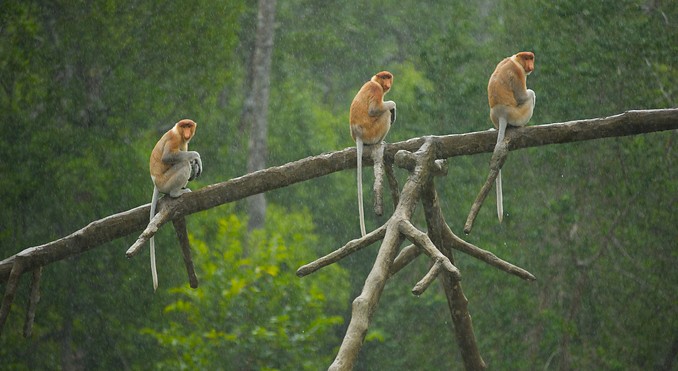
(456, 300)
(346, 250)
(365, 304)
(162, 217)
(128, 222)
(440, 261)
(437, 244)
(496, 163)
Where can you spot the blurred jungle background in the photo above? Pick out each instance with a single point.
(88, 87)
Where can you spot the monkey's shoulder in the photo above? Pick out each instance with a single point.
(372, 88)
(367, 95)
(509, 77)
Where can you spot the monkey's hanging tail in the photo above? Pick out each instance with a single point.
(359, 167)
(500, 196)
(154, 271)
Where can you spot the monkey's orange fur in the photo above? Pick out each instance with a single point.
(161, 164)
(370, 119)
(507, 90)
(171, 165)
(511, 103)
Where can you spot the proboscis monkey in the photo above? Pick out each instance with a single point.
(370, 119)
(172, 166)
(511, 103)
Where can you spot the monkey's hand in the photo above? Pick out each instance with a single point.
(196, 170)
(391, 106)
(196, 167)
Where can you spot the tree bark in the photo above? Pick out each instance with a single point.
(135, 220)
(423, 164)
(365, 305)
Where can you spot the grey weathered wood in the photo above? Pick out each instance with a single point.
(134, 220)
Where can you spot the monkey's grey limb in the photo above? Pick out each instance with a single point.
(378, 190)
(496, 163)
(182, 235)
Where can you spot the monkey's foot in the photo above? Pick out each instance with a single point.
(179, 192)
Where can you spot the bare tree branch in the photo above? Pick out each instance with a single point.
(422, 240)
(427, 280)
(160, 218)
(32, 302)
(128, 222)
(405, 257)
(378, 188)
(344, 251)
(423, 166)
(456, 300)
(365, 304)
(392, 183)
(485, 256)
(427, 162)
(496, 163)
(10, 290)
(182, 236)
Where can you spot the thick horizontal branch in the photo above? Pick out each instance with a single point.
(625, 124)
(94, 234)
(134, 220)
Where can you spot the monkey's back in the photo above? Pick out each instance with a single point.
(371, 129)
(504, 82)
(157, 166)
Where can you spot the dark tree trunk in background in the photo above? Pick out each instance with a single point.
(255, 110)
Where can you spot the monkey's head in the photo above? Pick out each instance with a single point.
(525, 59)
(186, 129)
(385, 79)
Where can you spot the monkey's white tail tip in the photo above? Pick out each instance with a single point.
(361, 216)
(500, 198)
(359, 167)
(154, 272)
(361, 209)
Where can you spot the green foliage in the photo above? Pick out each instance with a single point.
(251, 311)
(86, 88)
